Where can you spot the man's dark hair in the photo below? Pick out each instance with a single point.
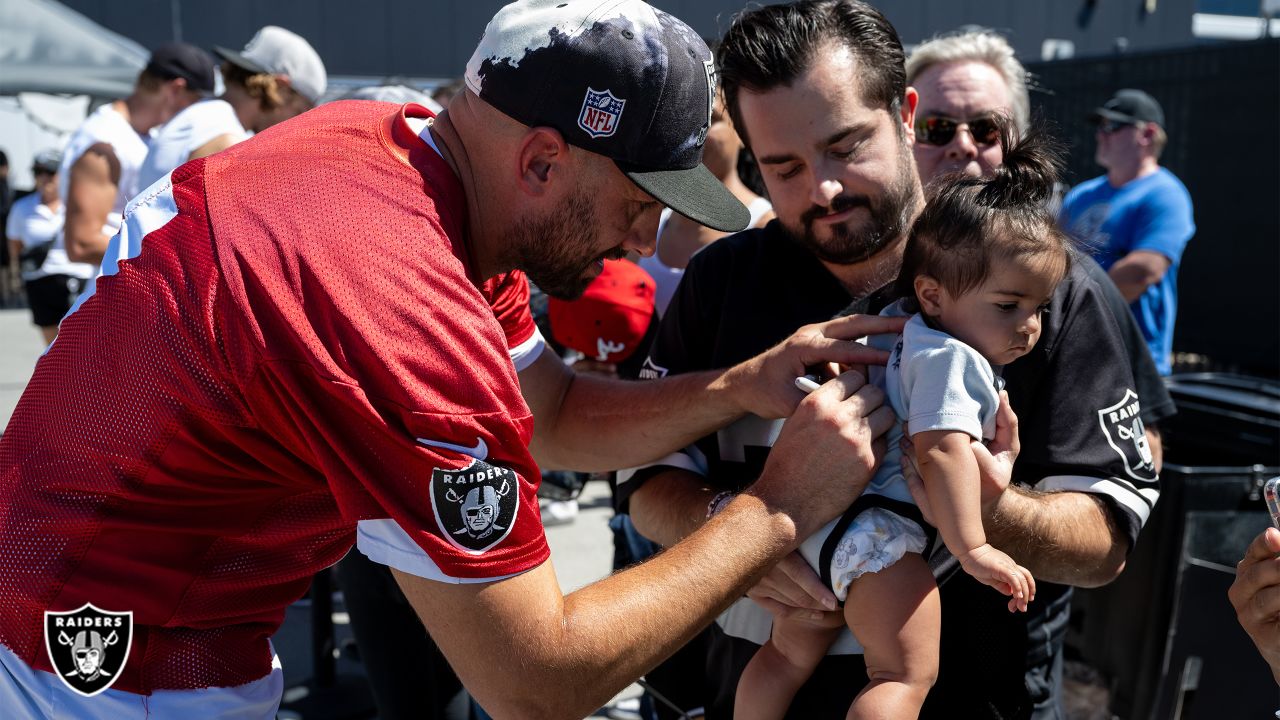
(4, 159)
(771, 46)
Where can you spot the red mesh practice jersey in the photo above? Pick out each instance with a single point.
(294, 349)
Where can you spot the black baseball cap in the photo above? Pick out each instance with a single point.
(616, 77)
(1131, 106)
(180, 60)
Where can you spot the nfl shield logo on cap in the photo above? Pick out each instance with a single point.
(600, 114)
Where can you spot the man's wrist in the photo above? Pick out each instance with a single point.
(772, 518)
(718, 501)
(731, 387)
(1007, 517)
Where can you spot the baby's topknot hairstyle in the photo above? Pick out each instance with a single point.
(970, 222)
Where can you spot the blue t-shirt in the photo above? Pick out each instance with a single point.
(1151, 213)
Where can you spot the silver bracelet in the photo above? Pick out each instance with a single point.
(718, 502)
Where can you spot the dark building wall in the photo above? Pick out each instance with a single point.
(1228, 294)
(434, 38)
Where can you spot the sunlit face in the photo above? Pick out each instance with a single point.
(1000, 318)
(606, 216)
(292, 105)
(960, 91)
(46, 182)
(838, 171)
(1118, 143)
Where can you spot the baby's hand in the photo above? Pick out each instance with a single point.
(991, 567)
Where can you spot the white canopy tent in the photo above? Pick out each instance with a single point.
(46, 47)
(53, 60)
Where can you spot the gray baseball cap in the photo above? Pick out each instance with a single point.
(278, 51)
(48, 160)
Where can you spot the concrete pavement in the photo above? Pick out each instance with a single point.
(20, 347)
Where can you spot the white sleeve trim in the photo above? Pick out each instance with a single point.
(1139, 501)
(385, 542)
(523, 355)
(690, 459)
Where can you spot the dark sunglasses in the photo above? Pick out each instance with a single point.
(939, 130)
(1106, 126)
(43, 171)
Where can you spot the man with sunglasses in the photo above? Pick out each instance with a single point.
(1136, 219)
(964, 80)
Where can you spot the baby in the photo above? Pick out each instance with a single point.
(979, 269)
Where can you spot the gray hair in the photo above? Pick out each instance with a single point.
(984, 46)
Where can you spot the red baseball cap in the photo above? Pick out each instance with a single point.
(611, 318)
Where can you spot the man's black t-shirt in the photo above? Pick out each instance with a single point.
(1077, 410)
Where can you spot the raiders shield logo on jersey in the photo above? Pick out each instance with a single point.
(88, 647)
(475, 506)
(1122, 425)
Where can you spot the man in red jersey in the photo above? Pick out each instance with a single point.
(321, 337)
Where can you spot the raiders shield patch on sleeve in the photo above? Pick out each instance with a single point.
(1122, 426)
(475, 506)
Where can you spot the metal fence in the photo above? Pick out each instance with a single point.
(1222, 105)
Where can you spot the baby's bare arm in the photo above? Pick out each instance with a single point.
(950, 474)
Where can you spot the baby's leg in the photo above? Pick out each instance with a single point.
(778, 669)
(896, 616)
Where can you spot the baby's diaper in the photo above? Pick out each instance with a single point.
(875, 539)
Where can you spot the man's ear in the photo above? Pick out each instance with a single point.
(910, 100)
(1148, 133)
(543, 157)
(929, 293)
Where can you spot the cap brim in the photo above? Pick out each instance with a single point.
(694, 193)
(1101, 113)
(238, 59)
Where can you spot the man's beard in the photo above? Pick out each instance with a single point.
(555, 250)
(890, 215)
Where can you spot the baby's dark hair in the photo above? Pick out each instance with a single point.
(969, 222)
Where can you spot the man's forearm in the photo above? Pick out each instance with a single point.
(1137, 271)
(670, 506)
(1061, 537)
(568, 657)
(632, 423)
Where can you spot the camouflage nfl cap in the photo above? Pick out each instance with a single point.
(618, 78)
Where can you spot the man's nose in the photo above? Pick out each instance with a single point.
(962, 146)
(824, 190)
(643, 236)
